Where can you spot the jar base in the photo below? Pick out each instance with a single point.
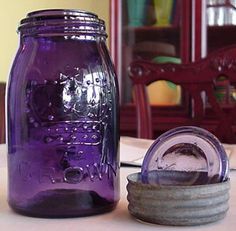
(61, 203)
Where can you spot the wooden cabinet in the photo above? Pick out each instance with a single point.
(189, 34)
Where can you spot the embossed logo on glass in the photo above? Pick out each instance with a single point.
(72, 113)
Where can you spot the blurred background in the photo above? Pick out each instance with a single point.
(160, 32)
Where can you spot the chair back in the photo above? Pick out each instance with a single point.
(199, 90)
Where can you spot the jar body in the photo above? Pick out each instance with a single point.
(62, 128)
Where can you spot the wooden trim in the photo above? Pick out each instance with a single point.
(116, 39)
(185, 48)
(199, 30)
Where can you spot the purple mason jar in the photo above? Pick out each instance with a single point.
(62, 117)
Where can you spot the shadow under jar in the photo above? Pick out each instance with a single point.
(62, 117)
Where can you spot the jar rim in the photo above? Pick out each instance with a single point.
(75, 21)
(48, 12)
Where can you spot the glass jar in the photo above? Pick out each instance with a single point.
(62, 117)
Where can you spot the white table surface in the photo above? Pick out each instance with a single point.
(119, 219)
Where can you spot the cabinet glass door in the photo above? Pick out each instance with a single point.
(154, 31)
(221, 32)
(221, 20)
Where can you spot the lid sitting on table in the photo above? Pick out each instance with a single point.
(183, 180)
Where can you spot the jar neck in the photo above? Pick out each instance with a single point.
(74, 24)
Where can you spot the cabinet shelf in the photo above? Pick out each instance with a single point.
(169, 34)
(220, 36)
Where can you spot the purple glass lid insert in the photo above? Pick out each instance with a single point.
(185, 156)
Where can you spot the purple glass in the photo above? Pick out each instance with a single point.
(185, 156)
(62, 117)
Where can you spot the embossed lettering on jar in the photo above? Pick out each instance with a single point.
(62, 117)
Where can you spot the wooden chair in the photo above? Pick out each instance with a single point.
(2, 112)
(198, 81)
